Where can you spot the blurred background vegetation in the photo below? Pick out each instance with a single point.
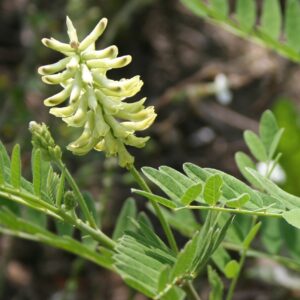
(178, 57)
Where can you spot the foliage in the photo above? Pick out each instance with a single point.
(245, 22)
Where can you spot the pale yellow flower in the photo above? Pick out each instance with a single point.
(95, 102)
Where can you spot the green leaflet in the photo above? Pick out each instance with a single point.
(220, 6)
(221, 257)
(293, 217)
(60, 191)
(275, 143)
(292, 24)
(216, 284)
(15, 175)
(185, 260)
(246, 13)
(161, 200)
(270, 133)
(52, 184)
(251, 235)
(165, 182)
(181, 179)
(37, 172)
(124, 223)
(243, 161)
(271, 236)
(91, 204)
(191, 194)
(271, 18)
(2, 174)
(212, 189)
(268, 128)
(288, 200)
(232, 269)
(5, 156)
(238, 202)
(195, 172)
(255, 145)
(196, 7)
(164, 278)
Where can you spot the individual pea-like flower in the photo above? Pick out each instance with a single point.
(94, 102)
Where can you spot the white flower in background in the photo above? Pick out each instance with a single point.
(278, 175)
(95, 102)
(223, 93)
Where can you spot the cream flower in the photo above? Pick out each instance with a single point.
(95, 102)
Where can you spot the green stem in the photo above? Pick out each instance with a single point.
(190, 291)
(166, 227)
(286, 261)
(96, 234)
(235, 279)
(85, 210)
(241, 264)
(41, 205)
(234, 211)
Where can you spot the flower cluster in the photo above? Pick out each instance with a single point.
(43, 140)
(95, 102)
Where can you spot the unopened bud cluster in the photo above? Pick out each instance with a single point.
(95, 102)
(42, 139)
(70, 201)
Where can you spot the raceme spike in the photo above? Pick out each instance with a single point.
(91, 100)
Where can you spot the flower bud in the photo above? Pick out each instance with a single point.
(42, 139)
(94, 35)
(72, 34)
(69, 201)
